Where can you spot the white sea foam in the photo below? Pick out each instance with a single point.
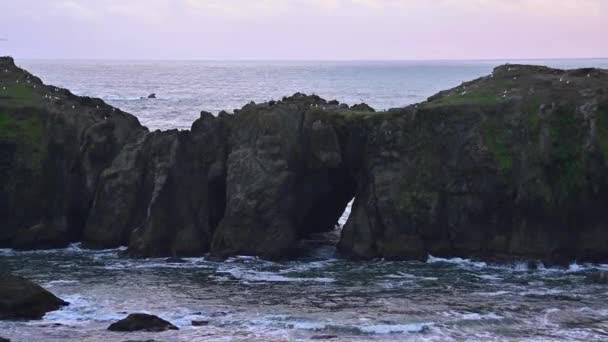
(489, 277)
(472, 316)
(298, 323)
(457, 261)
(60, 282)
(266, 276)
(492, 294)
(81, 311)
(541, 292)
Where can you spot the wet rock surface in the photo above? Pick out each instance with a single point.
(23, 299)
(142, 322)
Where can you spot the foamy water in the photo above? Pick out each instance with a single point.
(249, 299)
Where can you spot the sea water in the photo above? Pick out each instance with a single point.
(318, 295)
(185, 88)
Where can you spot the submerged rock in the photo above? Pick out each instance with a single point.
(142, 322)
(23, 299)
(323, 337)
(199, 323)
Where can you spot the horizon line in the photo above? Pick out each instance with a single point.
(309, 60)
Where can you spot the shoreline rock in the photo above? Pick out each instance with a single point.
(141, 322)
(23, 299)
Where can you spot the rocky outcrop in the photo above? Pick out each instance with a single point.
(22, 299)
(285, 177)
(53, 146)
(512, 165)
(163, 193)
(142, 322)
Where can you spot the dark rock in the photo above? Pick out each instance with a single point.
(53, 145)
(42, 236)
(323, 337)
(142, 322)
(507, 166)
(23, 299)
(2, 339)
(163, 194)
(278, 155)
(152, 96)
(200, 323)
(362, 107)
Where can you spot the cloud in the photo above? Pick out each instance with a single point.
(302, 29)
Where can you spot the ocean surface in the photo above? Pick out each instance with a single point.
(184, 88)
(318, 295)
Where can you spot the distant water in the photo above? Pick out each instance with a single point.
(184, 88)
(318, 294)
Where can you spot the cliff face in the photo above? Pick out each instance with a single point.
(53, 146)
(509, 165)
(512, 165)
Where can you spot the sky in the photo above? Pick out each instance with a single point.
(304, 29)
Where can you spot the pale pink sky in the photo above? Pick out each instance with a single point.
(304, 29)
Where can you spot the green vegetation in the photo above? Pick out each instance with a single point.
(499, 142)
(532, 108)
(566, 155)
(17, 91)
(26, 133)
(20, 95)
(482, 93)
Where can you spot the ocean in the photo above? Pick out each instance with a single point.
(318, 295)
(184, 88)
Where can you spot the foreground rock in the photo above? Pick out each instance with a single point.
(2, 339)
(142, 322)
(22, 299)
(509, 166)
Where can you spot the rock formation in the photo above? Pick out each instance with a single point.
(22, 299)
(142, 322)
(512, 165)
